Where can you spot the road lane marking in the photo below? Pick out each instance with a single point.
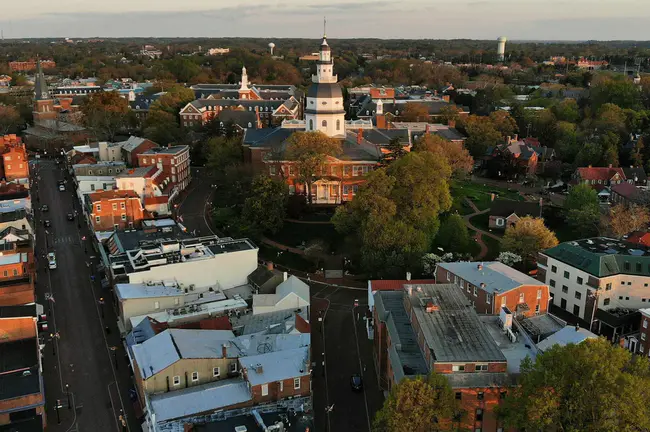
(356, 337)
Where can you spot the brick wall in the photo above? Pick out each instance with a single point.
(277, 391)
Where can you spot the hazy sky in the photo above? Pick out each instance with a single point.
(436, 19)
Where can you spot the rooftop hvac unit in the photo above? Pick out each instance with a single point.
(192, 286)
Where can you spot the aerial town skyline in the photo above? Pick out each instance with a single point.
(534, 20)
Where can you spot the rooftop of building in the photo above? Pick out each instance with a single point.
(492, 276)
(13, 191)
(292, 285)
(12, 216)
(163, 252)
(602, 256)
(152, 230)
(450, 325)
(112, 194)
(404, 352)
(19, 368)
(19, 311)
(30, 424)
(199, 399)
(565, 336)
(542, 326)
(276, 365)
(514, 352)
(172, 150)
(137, 172)
(132, 143)
(282, 322)
(299, 424)
(505, 208)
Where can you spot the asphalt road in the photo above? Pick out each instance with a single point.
(345, 343)
(80, 357)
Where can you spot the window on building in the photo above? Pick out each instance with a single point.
(5, 273)
(638, 267)
(500, 221)
(522, 298)
(195, 376)
(272, 170)
(338, 125)
(643, 336)
(281, 386)
(553, 269)
(567, 275)
(355, 189)
(503, 394)
(458, 368)
(233, 367)
(503, 301)
(475, 292)
(578, 295)
(455, 279)
(459, 395)
(177, 380)
(15, 272)
(355, 171)
(645, 323)
(539, 294)
(216, 372)
(291, 170)
(311, 124)
(626, 265)
(99, 207)
(97, 219)
(324, 123)
(346, 189)
(488, 298)
(114, 206)
(92, 187)
(123, 206)
(462, 284)
(156, 305)
(579, 280)
(480, 368)
(123, 216)
(606, 302)
(552, 283)
(537, 308)
(449, 277)
(346, 170)
(296, 383)
(608, 287)
(265, 389)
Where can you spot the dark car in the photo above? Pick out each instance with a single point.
(47, 223)
(70, 217)
(356, 382)
(45, 208)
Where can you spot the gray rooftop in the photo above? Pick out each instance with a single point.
(276, 366)
(135, 291)
(514, 352)
(568, 335)
(199, 399)
(452, 330)
(132, 143)
(405, 354)
(135, 172)
(496, 276)
(481, 380)
(166, 150)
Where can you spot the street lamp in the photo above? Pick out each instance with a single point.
(67, 391)
(594, 295)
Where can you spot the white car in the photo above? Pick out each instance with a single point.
(62, 188)
(51, 260)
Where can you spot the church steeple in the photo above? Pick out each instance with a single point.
(244, 90)
(40, 85)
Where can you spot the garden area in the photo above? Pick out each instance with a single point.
(480, 195)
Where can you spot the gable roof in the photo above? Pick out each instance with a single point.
(504, 208)
(293, 285)
(276, 366)
(266, 137)
(637, 174)
(396, 285)
(600, 173)
(565, 336)
(238, 117)
(640, 237)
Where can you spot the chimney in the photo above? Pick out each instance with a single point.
(224, 350)
(269, 265)
(577, 327)
(409, 290)
(610, 165)
(360, 136)
(284, 276)
(408, 276)
(589, 166)
(479, 267)
(258, 368)
(451, 123)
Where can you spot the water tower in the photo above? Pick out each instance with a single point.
(501, 48)
(271, 47)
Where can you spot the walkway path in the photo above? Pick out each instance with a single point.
(479, 233)
(309, 222)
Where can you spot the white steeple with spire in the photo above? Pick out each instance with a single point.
(244, 90)
(380, 107)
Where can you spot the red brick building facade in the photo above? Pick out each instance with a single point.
(30, 65)
(493, 285)
(114, 210)
(14, 158)
(174, 162)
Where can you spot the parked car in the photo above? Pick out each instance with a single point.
(70, 216)
(45, 208)
(47, 223)
(356, 382)
(61, 188)
(51, 260)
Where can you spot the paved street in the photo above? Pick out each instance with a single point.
(80, 357)
(194, 206)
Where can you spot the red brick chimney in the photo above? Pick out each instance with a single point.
(451, 123)
(427, 129)
(360, 136)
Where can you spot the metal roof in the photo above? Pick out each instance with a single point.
(276, 366)
(496, 276)
(568, 335)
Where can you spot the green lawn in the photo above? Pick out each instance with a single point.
(480, 195)
(494, 248)
(293, 234)
(287, 259)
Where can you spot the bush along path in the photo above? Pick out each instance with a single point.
(479, 233)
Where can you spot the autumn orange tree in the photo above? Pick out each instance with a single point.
(415, 112)
(623, 219)
(9, 119)
(458, 158)
(527, 237)
(106, 114)
(309, 152)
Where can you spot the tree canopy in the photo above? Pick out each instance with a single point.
(265, 208)
(582, 210)
(624, 219)
(9, 119)
(419, 404)
(395, 214)
(106, 114)
(458, 158)
(590, 387)
(527, 237)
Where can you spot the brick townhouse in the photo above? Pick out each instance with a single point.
(14, 158)
(489, 286)
(174, 162)
(17, 267)
(114, 210)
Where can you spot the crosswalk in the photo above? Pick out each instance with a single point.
(61, 240)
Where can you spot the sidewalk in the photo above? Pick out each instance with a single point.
(479, 233)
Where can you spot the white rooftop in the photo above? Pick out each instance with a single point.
(568, 335)
(276, 366)
(496, 276)
(199, 399)
(131, 291)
